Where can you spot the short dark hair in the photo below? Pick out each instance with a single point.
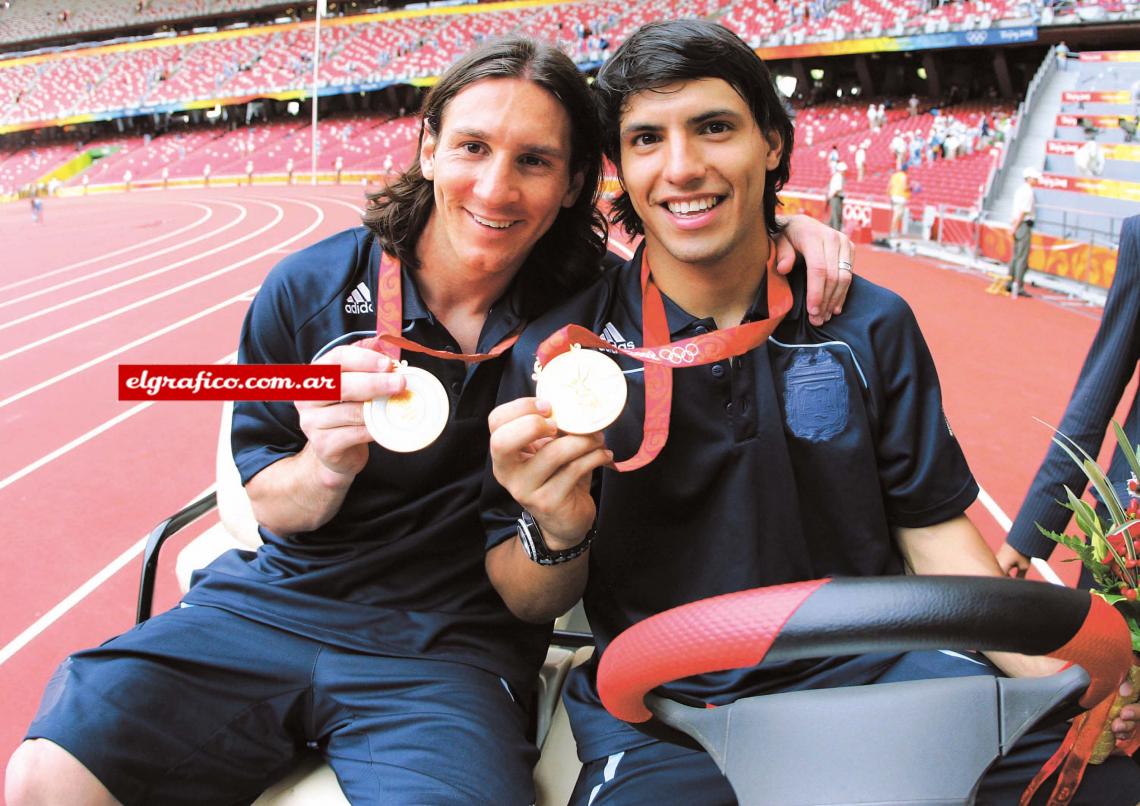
(569, 256)
(672, 51)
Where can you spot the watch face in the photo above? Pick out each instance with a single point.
(585, 388)
(412, 419)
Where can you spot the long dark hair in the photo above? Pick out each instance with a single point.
(672, 51)
(568, 257)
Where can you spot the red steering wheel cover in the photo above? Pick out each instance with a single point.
(1098, 648)
(724, 632)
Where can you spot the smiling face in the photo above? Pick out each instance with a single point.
(694, 164)
(500, 167)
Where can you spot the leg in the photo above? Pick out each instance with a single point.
(655, 773)
(413, 731)
(176, 711)
(38, 761)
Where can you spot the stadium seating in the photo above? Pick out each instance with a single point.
(958, 182)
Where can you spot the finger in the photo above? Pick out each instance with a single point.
(361, 386)
(356, 359)
(785, 255)
(513, 440)
(325, 418)
(845, 278)
(561, 485)
(557, 455)
(513, 409)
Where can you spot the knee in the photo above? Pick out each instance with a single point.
(42, 772)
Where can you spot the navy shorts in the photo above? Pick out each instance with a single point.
(199, 705)
(660, 772)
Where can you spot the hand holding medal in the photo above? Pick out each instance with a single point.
(587, 390)
(414, 417)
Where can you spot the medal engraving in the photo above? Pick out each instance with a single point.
(412, 419)
(585, 388)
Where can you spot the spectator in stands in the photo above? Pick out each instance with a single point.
(1062, 56)
(912, 106)
(833, 158)
(898, 189)
(1021, 225)
(873, 118)
(1128, 126)
(366, 627)
(1089, 159)
(835, 195)
(861, 159)
(898, 149)
(1108, 368)
(736, 500)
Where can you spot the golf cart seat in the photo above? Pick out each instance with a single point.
(312, 782)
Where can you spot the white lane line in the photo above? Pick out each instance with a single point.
(44, 311)
(85, 438)
(1043, 568)
(243, 214)
(168, 292)
(244, 296)
(79, 594)
(40, 276)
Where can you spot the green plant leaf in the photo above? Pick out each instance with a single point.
(1126, 448)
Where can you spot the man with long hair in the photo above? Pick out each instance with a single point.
(365, 628)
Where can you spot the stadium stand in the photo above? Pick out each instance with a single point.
(29, 20)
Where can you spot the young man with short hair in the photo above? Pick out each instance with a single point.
(809, 453)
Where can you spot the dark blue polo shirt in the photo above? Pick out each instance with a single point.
(399, 569)
(792, 462)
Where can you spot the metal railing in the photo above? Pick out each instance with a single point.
(1013, 141)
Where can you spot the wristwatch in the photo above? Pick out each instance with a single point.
(535, 546)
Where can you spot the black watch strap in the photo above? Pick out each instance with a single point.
(530, 535)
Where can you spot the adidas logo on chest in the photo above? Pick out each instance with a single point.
(360, 300)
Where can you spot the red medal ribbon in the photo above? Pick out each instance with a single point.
(660, 355)
(390, 320)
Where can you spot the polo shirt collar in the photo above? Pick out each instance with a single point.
(502, 318)
(682, 323)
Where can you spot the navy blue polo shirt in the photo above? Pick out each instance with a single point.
(791, 462)
(399, 569)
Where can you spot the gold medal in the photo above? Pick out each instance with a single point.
(585, 388)
(412, 419)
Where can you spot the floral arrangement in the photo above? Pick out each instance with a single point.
(1110, 552)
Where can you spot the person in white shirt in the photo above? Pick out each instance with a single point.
(898, 148)
(835, 195)
(861, 159)
(1021, 223)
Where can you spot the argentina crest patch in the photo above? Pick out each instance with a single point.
(816, 403)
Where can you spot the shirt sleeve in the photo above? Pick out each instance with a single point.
(923, 473)
(498, 510)
(266, 432)
(1108, 367)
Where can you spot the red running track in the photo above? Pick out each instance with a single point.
(165, 277)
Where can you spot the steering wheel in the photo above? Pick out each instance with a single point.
(891, 743)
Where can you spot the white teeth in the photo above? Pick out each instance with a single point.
(692, 206)
(486, 222)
